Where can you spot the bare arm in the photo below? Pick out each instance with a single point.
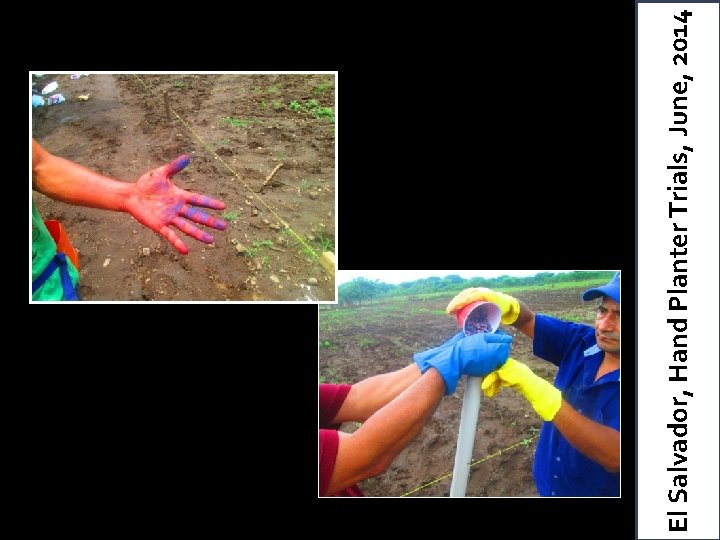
(367, 396)
(369, 451)
(152, 200)
(595, 441)
(69, 182)
(525, 321)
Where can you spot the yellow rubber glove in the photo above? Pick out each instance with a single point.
(543, 396)
(509, 306)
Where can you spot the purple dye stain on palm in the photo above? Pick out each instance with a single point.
(178, 164)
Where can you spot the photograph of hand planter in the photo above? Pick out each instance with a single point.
(479, 317)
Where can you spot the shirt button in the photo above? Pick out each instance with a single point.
(552, 493)
(557, 458)
(555, 475)
(579, 410)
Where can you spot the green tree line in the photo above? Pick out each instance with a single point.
(361, 289)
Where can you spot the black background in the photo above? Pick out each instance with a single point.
(503, 140)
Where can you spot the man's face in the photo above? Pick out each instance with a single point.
(607, 326)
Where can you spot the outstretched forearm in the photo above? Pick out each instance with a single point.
(595, 441)
(371, 449)
(368, 396)
(63, 180)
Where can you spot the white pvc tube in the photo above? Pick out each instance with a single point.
(466, 436)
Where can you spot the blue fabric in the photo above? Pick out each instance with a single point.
(559, 469)
(58, 261)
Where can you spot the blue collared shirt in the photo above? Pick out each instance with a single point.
(559, 469)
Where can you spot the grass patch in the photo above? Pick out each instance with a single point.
(313, 108)
(259, 247)
(231, 216)
(366, 341)
(330, 376)
(274, 88)
(179, 84)
(325, 243)
(320, 88)
(239, 122)
(304, 184)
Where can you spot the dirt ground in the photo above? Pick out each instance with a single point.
(374, 339)
(122, 131)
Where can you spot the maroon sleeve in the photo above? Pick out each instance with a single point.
(331, 399)
(327, 452)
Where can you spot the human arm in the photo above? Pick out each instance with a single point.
(592, 439)
(369, 451)
(153, 199)
(525, 321)
(368, 396)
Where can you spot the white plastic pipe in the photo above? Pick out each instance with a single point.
(466, 436)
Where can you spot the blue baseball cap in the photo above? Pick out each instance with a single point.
(612, 290)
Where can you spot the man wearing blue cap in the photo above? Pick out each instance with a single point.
(578, 453)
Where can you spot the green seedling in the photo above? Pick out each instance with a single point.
(274, 89)
(304, 184)
(277, 104)
(257, 248)
(320, 88)
(230, 216)
(526, 442)
(235, 122)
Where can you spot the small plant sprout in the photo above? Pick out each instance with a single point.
(320, 88)
(231, 216)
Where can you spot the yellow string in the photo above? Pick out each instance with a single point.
(524, 442)
(232, 171)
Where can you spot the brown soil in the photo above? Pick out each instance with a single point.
(383, 337)
(122, 132)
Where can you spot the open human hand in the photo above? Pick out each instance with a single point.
(157, 203)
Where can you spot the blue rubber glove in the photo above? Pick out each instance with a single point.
(421, 358)
(475, 355)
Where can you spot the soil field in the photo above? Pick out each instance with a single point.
(359, 342)
(237, 129)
